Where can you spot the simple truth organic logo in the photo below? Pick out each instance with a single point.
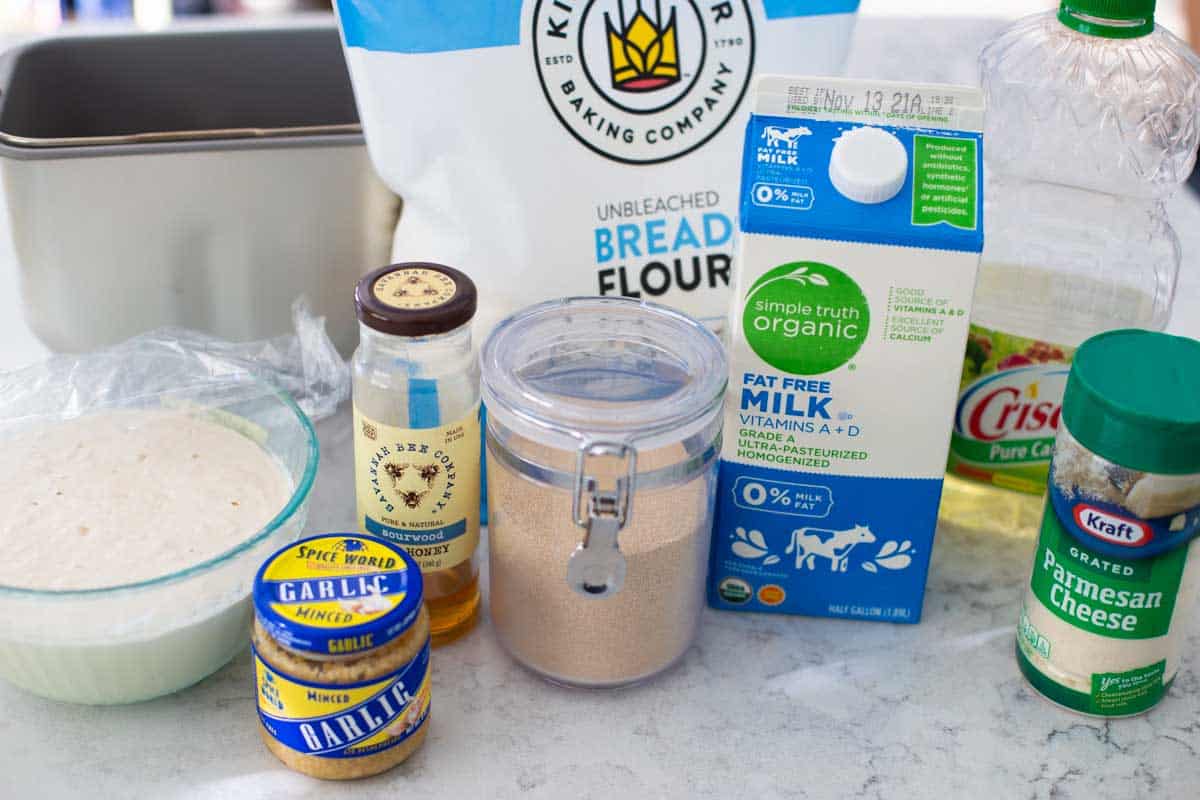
(806, 318)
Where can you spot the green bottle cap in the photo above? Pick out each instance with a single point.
(1133, 397)
(1112, 19)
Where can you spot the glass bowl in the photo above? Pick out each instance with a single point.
(134, 642)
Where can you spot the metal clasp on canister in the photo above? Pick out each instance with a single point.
(597, 567)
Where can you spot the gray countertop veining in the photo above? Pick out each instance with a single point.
(763, 706)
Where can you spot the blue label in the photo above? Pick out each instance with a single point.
(346, 587)
(426, 26)
(823, 545)
(786, 189)
(410, 537)
(429, 26)
(1115, 531)
(350, 720)
(783, 9)
(424, 411)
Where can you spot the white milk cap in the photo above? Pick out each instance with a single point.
(868, 165)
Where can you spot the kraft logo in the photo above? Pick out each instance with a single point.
(1112, 527)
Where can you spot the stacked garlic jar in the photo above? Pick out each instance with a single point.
(341, 655)
(604, 424)
(1117, 568)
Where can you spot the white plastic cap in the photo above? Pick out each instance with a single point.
(868, 165)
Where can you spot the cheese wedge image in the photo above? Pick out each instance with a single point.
(1162, 495)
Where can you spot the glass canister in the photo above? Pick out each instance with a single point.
(603, 431)
(416, 430)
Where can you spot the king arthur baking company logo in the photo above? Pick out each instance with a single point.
(643, 81)
(643, 53)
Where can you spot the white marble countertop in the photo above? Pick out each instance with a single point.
(763, 706)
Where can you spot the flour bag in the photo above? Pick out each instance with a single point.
(552, 148)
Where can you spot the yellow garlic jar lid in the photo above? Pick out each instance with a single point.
(338, 594)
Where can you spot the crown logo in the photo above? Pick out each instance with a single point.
(642, 52)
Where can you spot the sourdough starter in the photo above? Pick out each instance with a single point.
(124, 496)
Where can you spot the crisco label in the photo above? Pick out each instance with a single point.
(1008, 411)
(419, 488)
(334, 720)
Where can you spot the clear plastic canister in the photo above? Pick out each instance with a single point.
(604, 426)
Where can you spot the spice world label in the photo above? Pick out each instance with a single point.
(343, 720)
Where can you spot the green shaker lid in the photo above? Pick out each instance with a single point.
(1133, 397)
(1112, 19)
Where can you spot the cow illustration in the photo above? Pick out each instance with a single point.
(784, 137)
(809, 544)
(414, 490)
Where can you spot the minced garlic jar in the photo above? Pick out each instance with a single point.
(341, 656)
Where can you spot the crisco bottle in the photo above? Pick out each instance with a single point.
(1092, 123)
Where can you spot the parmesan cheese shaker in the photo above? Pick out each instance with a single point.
(1117, 565)
(416, 430)
(603, 430)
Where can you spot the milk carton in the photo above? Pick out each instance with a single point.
(861, 228)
